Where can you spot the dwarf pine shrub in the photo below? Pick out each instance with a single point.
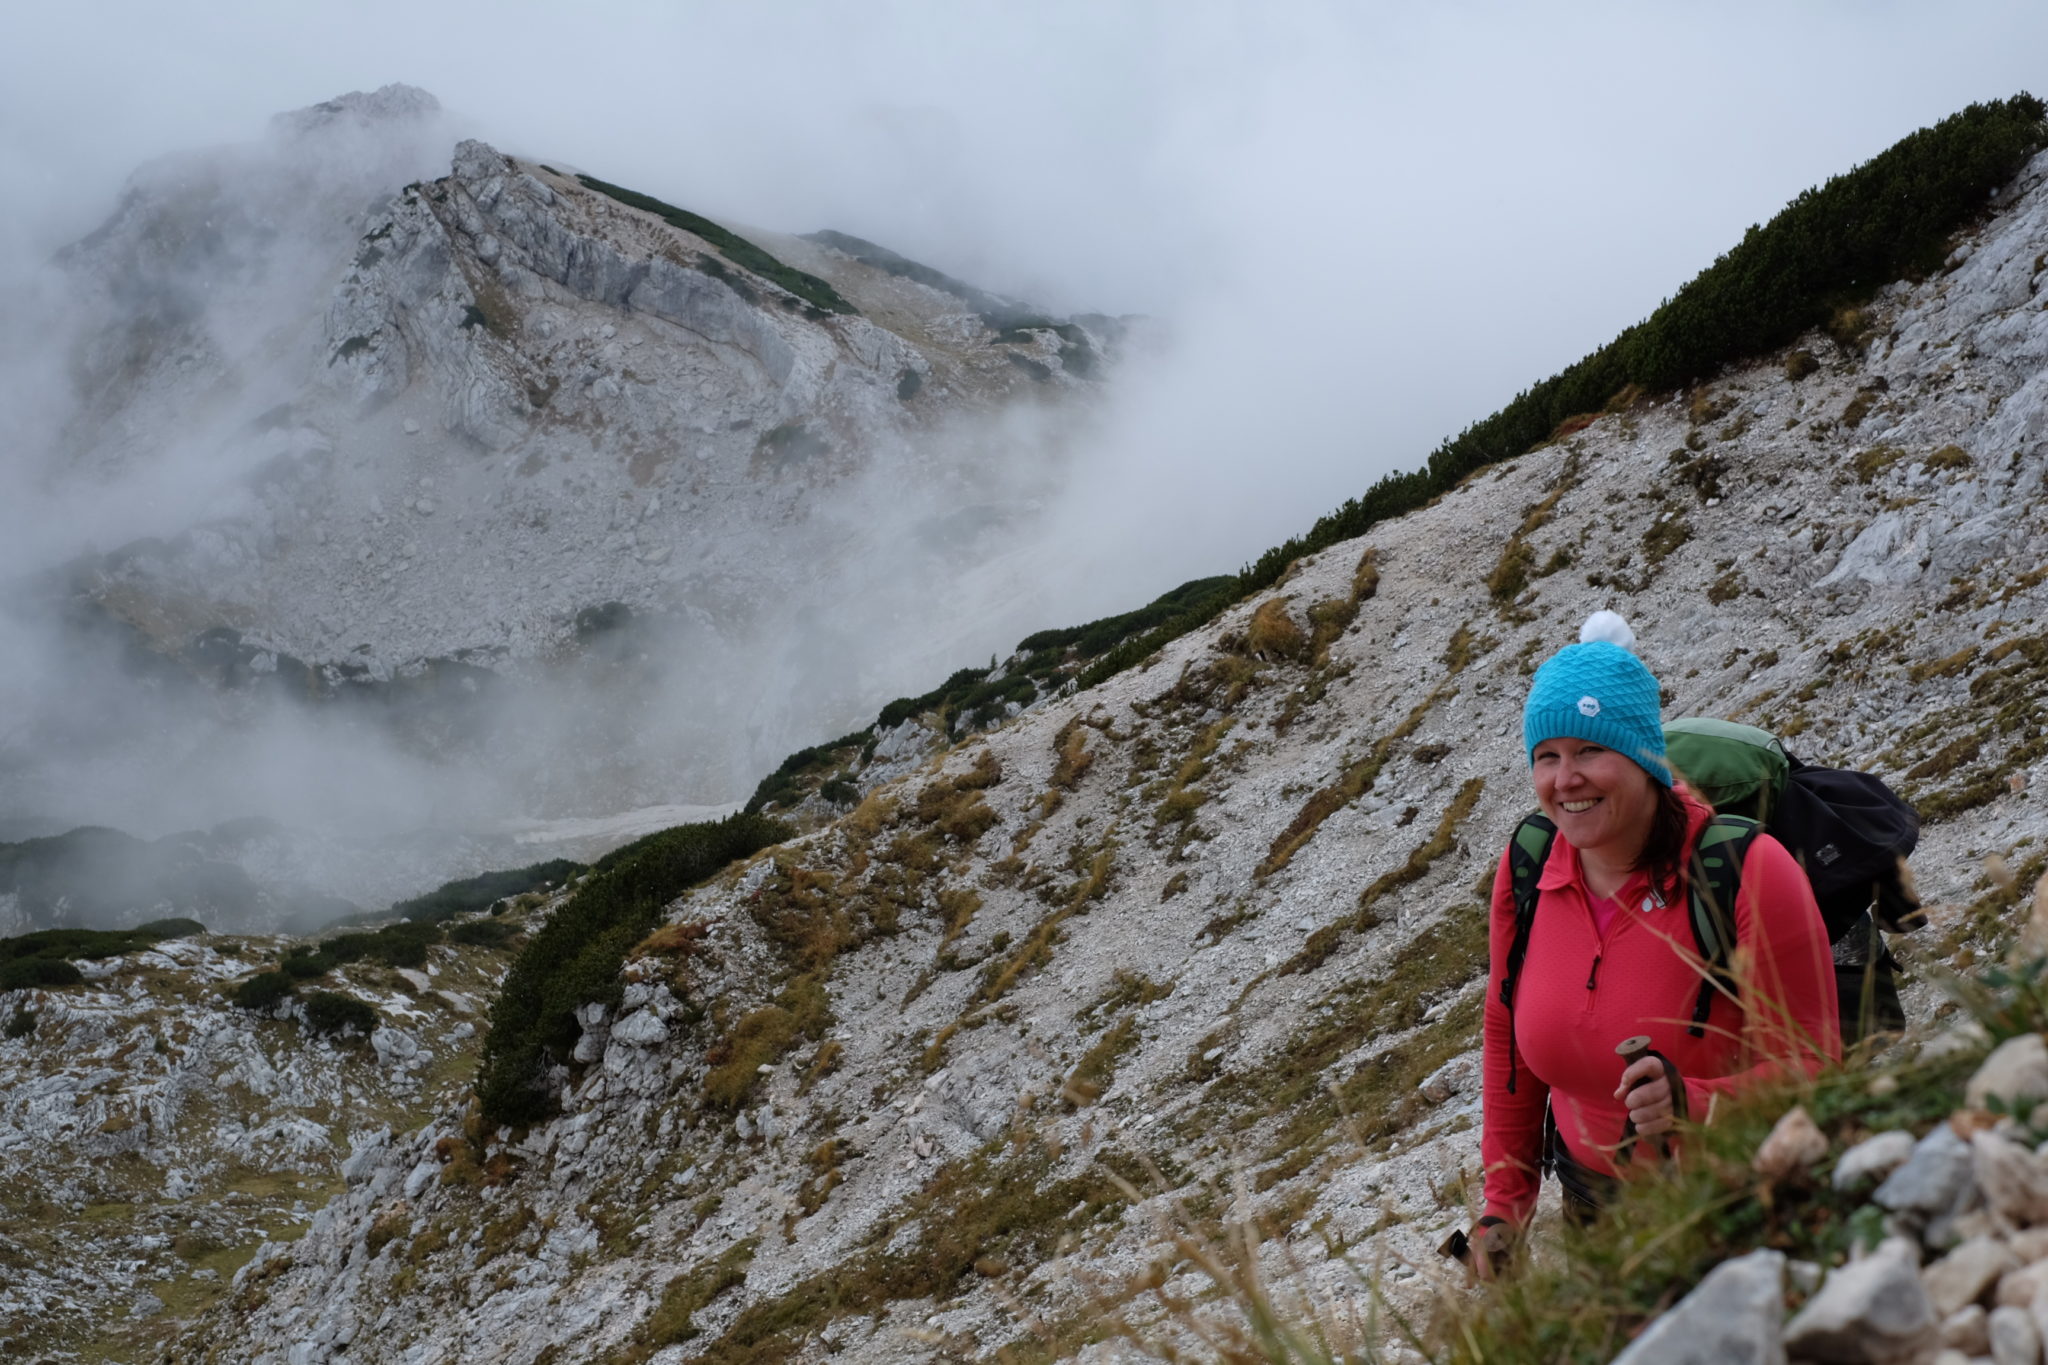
(574, 958)
(330, 1013)
(262, 991)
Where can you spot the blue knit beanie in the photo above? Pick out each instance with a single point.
(1597, 690)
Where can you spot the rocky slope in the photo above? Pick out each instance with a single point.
(1212, 928)
(498, 464)
(154, 1138)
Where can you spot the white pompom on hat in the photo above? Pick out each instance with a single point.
(1609, 626)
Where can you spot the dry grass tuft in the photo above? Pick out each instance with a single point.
(1510, 575)
(1355, 781)
(1273, 633)
(1071, 756)
(1875, 461)
(1947, 458)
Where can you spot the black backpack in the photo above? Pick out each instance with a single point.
(1848, 830)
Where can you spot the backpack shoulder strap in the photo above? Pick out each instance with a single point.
(1528, 851)
(1711, 890)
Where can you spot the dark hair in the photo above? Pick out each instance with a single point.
(1664, 849)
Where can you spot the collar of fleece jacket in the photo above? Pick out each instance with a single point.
(1580, 991)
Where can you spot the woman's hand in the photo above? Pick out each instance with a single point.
(1646, 1091)
(1493, 1249)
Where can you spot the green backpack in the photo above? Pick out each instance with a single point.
(1729, 766)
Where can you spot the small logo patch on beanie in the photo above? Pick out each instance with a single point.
(1589, 706)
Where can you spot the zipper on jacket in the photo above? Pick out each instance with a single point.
(1593, 974)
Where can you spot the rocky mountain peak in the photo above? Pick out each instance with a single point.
(387, 104)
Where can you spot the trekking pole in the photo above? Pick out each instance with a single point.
(1631, 1051)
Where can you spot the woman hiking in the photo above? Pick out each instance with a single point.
(1609, 955)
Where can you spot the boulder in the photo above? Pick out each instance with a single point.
(1870, 1312)
(2016, 1070)
(642, 1028)
(1734, 1317)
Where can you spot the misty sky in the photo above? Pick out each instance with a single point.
(1368, 224)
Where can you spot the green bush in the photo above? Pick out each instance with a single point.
(303, 964)
(483, 933)
(262, 991)
(94, 944)
(21, 973)
(471, 894)
(731, 245)
(785, 786)
(574, 958)
(329, 1013)
(179, 927)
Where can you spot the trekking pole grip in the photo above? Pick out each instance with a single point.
(1631, 1051)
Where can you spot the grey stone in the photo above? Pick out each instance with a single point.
(2016, 1070)
(2011, 1179)
(1873, 1158)
(1967, 1330)
(393, 1046)
(1961, 1277)
(1734, 1317)
(642, 1028)
(364, 1154)
(2012, 1337)
(1935, 1180)
(1452, 1078)
(1869, 1312)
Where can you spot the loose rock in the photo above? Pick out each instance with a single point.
(1934, 1181)
(1870, 1312)
(1961, 1277)
(2011, 1178)
(1733, 1318)
(1873, 1159)
(2017, 1069)
(1795, 1142)
(2013, 1339)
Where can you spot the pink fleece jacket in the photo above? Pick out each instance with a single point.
(1580, 992)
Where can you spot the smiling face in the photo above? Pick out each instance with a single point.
(1602, 803)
